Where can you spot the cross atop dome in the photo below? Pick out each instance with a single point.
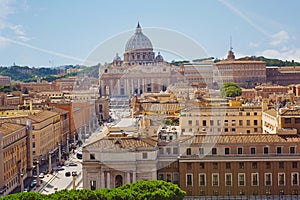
(138, 28)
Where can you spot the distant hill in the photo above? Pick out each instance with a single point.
(28, 74)
(275, 62)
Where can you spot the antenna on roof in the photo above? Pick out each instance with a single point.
(230, 43)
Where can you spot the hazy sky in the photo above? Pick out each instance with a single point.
(58, 32)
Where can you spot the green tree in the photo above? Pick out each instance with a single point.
(230, 89)
(140, 190)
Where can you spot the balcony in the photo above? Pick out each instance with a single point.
(287, 131)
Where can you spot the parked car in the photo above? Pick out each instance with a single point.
(33, 183)
(60, 168)
(67, 174)
(41, 175)
(72, 164)
(26, 189)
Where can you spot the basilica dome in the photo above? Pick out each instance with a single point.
(138, 41)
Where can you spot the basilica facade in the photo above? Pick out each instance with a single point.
(140, 71)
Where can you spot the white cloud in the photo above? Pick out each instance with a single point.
(279, 38)
(289, 54)
(253, 44)
(7, 8)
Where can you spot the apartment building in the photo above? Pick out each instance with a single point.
(233, 165)
(14, 157)
(46, 133)
(281, 121)
(221, 119)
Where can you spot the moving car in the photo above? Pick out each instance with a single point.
(72, 164)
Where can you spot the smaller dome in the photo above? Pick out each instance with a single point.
(159, 57)
(117, 58)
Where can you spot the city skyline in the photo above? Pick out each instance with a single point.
(56, 33)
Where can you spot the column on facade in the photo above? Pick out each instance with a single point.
(144, 85)
(138, 87)
(128, 177)
(102, 179)
(108, 179)
(133, 176)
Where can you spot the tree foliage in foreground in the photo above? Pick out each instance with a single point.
(140, 190)
(230, 89)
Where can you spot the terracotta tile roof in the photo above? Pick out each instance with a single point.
(41, 116)
(125, 143)
(60, 111)
(241, 139)
(291, 112)
(7, 128)
(271, 112)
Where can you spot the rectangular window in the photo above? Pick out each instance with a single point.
(189, 179)
(240, 122)
(248, 122)
(254, 179)
(190, 122)
(189, 166)
(160, 176)
(215, 179)
(240, 150)
(297, 120)
(188, 151)
(219, 122)
(211, 122)
(227, 150)
(281, 179)
(248, 113)
(161, 151)
(281, 165)
(294, 165)
(226, 130)
(197, 122)
(202, 165)
(253, 150)
(202, 179)
(228, 179)
(268, 165)
(241, 165)
(175, 150)
(214, 151)
(145, 155)
(228, 165)
(201, 151)
(268, 179)
(241, 179)
(287, 120)
(203, 122)
(255, 122)
(255, 113)
(292, 150)
(295, 178)
(168, 150)
(279, 150)
(254, 165)
(215, 165)
(33, 144)
(266, 150)
(92, 156)
(255, 130)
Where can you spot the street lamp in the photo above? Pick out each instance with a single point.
(37, 173)
(59, 152)
(22, 182)
(50, 164)
(74, 174)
